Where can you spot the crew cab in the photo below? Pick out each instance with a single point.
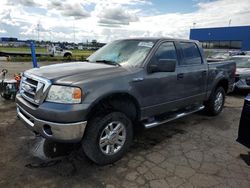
(126, 83)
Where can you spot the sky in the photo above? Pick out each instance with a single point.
(107, 20)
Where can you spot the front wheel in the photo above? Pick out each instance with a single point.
(107, 138)
(215, 104)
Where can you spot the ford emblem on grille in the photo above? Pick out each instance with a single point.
(27, 88)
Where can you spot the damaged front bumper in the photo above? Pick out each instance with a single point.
(63, 132)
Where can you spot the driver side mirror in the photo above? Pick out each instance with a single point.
(162, 65)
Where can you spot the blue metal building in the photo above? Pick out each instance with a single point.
(223, 37)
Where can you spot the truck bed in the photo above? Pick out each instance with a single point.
(225, 68)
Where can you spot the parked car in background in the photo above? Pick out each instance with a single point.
(68, 47)
(242, 77)
(131, 82)
(216, 54)
(235, 53)
(58, 51)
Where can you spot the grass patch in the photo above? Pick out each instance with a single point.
(82, 52)
(48, 58)
(77, 55)
(22, 49)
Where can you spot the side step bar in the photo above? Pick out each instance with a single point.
(172, 117)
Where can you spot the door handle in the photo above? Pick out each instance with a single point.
(180, 76)
(204, 73)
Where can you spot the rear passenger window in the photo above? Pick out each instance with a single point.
(166, 51)
(190, 54)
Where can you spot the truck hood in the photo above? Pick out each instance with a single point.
(243, 71)
(68, 73)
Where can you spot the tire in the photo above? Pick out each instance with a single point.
(68, 56)
(215, 104)
(99, 127)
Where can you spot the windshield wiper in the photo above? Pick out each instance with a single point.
(107, 62)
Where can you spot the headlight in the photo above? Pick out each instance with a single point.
(64, 94)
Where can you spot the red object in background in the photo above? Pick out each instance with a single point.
(17, 77)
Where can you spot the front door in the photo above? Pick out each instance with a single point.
(159, 88)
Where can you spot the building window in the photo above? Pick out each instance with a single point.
(221, 44)
(224, 44)
(236, 44)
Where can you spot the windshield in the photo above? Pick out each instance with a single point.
(123, 52)
(242, 62)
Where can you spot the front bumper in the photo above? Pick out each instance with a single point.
(63, 132)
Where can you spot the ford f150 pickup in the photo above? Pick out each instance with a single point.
(131, 82)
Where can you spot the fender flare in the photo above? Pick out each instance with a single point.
(110, 94)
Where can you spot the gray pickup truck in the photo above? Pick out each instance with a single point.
(127, 83)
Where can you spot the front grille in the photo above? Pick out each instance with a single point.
(34, 88)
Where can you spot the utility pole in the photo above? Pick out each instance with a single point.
(194, 24)
(38, 30)
(33, 34)
(229, 23)
(74, 32)
(50, 35)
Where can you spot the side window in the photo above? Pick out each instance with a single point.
(190, 54)
(166, 51)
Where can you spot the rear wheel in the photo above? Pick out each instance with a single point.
(68, 56)
(215, 104)
(107, 138)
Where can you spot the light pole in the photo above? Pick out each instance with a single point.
(38, 31)
(50, 36)
(194, 24)
(74, 32)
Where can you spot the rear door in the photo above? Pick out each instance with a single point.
(191, 73)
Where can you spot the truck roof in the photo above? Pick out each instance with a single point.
(159, 38)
